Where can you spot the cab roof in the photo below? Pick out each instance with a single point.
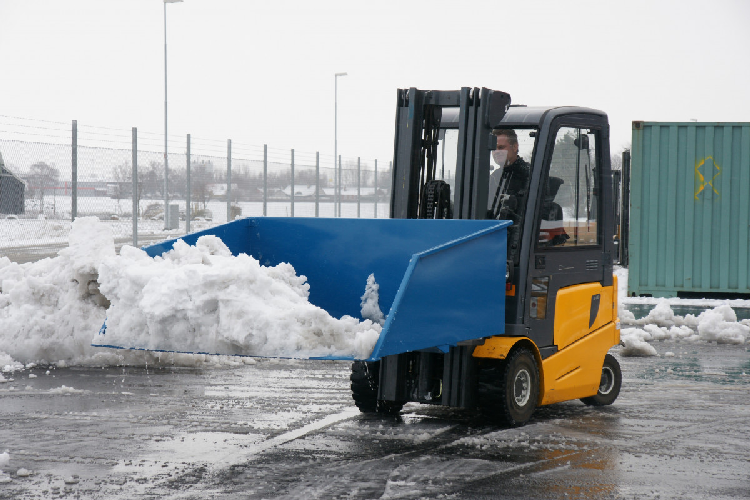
(522, 116)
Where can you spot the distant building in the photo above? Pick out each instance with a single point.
(220, 190)
(12, 191)
(301, 192)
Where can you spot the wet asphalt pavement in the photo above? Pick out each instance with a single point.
(288, 429)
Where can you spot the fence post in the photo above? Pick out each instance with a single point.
(359, 187)
(265, 180)
(74, 172)
(166, 177)
(229, 180)
(376, 189)
(292, 186)
(134, 148)
(336, 191)
(317, 183)
(340, 190)
(189, 189)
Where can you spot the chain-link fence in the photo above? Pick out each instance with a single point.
(52, 172)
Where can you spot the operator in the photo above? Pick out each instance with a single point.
(509, 184)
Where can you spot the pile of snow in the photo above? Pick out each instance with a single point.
(49, 308)
(8, 364)
(635, 343)
(203, 299)
(371, 302)
(717, 324)
(193, 299)
(66, 390)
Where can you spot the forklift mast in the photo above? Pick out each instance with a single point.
(420, 124)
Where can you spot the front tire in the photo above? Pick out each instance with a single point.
(609, 385)
(509, 391)
(364, 382)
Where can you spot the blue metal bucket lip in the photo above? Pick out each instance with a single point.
(496, 227)
(315, 358)
(390, 318)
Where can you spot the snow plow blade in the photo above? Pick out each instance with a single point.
(441, 282)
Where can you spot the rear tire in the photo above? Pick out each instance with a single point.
(364, 382)
(609, 385)
(508, 391)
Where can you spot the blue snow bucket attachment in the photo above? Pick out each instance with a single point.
(441, 281)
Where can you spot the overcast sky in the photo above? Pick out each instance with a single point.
(263, 72)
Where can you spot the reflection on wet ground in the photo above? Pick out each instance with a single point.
(288, 429)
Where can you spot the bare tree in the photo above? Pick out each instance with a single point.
(41, 178)
(366, 177)
(123, 186)
(122, 175)
(616, 158)
(201, 178)
(153, 180)
(306, 177)
(177, 183)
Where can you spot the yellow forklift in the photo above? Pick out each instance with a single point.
(470, 154)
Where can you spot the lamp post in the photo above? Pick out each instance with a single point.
(166, 160)
(337, 193)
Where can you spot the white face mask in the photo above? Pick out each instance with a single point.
(500, 156)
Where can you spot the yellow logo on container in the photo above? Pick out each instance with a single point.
(701, 178)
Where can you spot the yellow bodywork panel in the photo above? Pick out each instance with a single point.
(570, 373)
(575, 372)
(573, 306)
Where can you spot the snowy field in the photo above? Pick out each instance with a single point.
(54, 225)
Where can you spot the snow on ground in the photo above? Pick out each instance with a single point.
(200, 297)
(4, 461)
(195, 298)
(718, 323)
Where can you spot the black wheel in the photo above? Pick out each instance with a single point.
(609, 386)
(509, 390)
(364, 382)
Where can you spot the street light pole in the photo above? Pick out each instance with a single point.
(166, 157)
(337, 192)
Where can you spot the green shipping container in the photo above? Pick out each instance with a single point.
(690, 210)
